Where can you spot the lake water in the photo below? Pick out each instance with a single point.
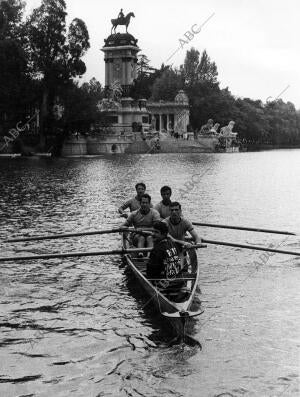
(80, 327)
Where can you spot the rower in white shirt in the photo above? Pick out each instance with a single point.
(163, 207)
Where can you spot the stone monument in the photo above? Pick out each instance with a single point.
(128, 118)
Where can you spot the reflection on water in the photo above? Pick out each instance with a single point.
(79, 326)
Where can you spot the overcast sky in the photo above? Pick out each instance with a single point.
(255, 43)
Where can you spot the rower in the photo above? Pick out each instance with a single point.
(134, 203)
(163, 207)
(163, 261)
(178, 226)
(143, 218)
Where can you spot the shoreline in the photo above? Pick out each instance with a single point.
(14, 155)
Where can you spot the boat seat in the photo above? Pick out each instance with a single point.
(177, 296)
(186, 274)
(170, 280)
(140, 260)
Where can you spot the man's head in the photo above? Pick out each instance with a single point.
(140, 189)
(145, 202)
(166, 193)
(160, 231)
(175, 209)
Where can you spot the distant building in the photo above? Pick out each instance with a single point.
(135, 126)
(170, 116)
(120, 57)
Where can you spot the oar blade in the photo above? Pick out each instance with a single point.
(250, 229)
(251, 247)
(74, 254)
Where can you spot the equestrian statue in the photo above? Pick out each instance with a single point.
(121, 20)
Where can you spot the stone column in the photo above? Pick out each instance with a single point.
(124, 73)
(110, 74)
(186, 120)
(106, 72)
(176, 122)
(160, 122)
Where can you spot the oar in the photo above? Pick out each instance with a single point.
(251, 229)
(250, 247)
(80, 254)
(65, 235)
(73, 254)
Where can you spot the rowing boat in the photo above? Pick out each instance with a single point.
(172, 302)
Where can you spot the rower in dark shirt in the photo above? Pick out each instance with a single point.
(163, 261)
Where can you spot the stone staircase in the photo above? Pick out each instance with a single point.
(181, 146)
(171, 145)
(138, 147)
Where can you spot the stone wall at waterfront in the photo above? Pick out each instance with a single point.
(208, 142)
(94, 145)
(74, 146)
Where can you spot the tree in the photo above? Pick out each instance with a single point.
(146, 75)
(13, 75)
(252, 124)
(206, 101)
(81, 104)
(94, 89)
(190, 67)
(11, 13)
(283, 121)
(55, 54)
(202, 87)
(197, 70)
(16, 90)
(167, 85)
(143, 66)
(207, 70)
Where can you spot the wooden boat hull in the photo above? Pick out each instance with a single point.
(175, 312)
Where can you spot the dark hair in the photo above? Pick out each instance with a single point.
(175, 204)
(161, 226)
(140, 184)
(165, 189)
(147, 196)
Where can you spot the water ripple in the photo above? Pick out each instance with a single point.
(80, 326)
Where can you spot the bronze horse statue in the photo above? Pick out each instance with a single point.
(121, 21)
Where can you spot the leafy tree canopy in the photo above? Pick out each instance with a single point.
(196, 69)
(11, 13)
(167, 85)
(55, 53)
